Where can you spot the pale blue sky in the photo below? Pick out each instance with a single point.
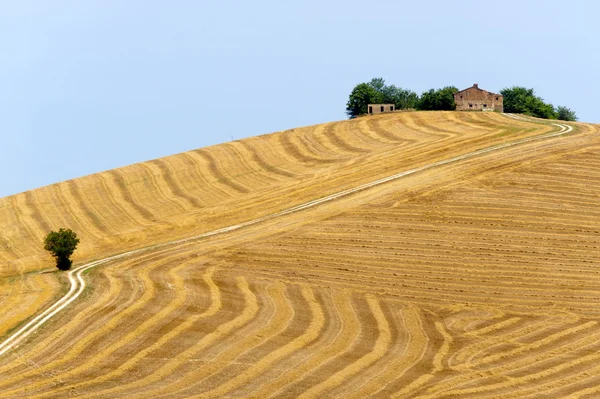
(92, 85)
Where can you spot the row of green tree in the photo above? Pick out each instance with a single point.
(517, 100)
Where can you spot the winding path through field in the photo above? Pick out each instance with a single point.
(78, 284)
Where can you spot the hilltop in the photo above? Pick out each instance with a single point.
(473, 278)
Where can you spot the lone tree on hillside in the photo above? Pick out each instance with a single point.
(62, 244)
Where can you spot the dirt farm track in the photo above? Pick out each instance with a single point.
(476, 278)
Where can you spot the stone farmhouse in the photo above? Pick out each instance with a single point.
(476, 99)
(380, 108)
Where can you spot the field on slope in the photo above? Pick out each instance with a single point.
(474, 279)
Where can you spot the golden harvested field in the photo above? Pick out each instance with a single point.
(473, 279)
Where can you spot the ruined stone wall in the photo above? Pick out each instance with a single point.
(379, 108)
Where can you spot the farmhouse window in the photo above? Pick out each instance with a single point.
(484, 105)
(391, 107)
(470, 105)
(382, 108)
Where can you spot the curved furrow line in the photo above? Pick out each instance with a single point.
(21, 227)
(261, 176)
(354, 342)
(87, 349)
(471, 119)
(241, 168)
(145, 185)
(577, 374)
(46, 362)
(415, 342)
(74, 216)
(295, 363)
(339, 143)
(8, 251)
(312, 332)
(520, 368)
(575, 385)
(127, 195)
(412, 122)
(395, 136)
(178, 190)
(494, 327)
(301, 312)
(320, 144)
(212, 192)
(293, 149)
(391, 135)
(526, 380)
(437, 363)
(444, 130)
(320, 271)
(77, 383)
(250, 310)
(113, 207)
(275, 153)
(300, 317)
(279, 313)
(409, 131)
(464, 357)
(36, 215)
(423, 294)
(8, 299)
(340, 331)
(97, 220)
(145, 281)
(219, 174)
(315, 143)
(590, 389)
(325, 143)
(366, 133)
(161, 188)
(516, 328)
(381, 346)
(261, 160)
(33, 297)
(519, 355)
(188, 177)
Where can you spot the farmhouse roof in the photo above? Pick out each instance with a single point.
(476, 86)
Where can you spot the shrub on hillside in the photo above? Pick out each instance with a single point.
(61, 244)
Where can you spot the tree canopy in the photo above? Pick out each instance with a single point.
(61, 244)
(362, 95)
(438, 100)
(377, 92)
(565, 114)
(520, 100)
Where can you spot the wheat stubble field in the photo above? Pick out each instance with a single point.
(477, 279)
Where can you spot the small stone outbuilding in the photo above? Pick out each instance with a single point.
(380, 108)
(476, 99)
